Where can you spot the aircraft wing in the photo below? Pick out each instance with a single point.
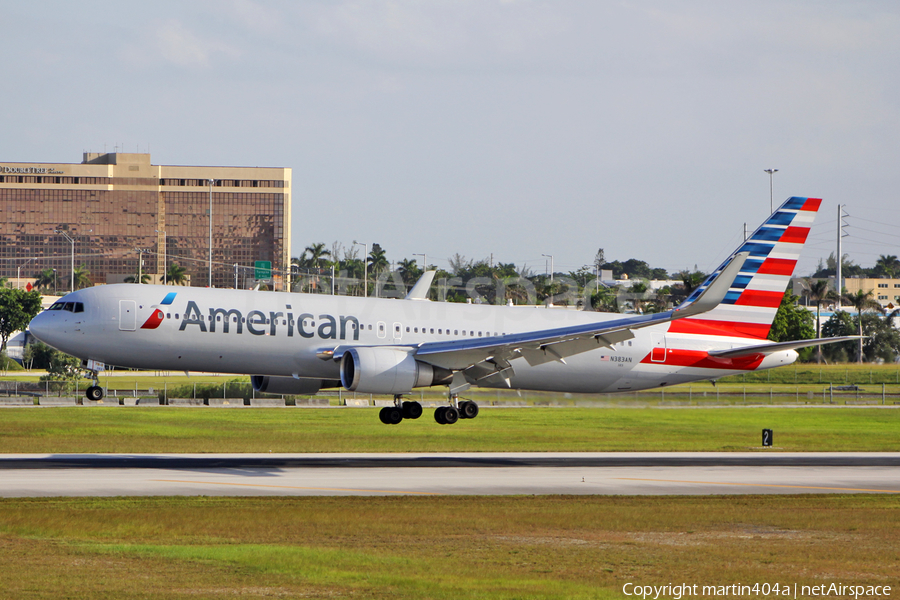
(479, 359)
(779, 346)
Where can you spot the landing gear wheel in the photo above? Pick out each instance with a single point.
(94, 393)
(411, 410)
(451, 415)
(439, 414)
(390, 415)
(468, 410)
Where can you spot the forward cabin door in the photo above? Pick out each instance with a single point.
(127, 315)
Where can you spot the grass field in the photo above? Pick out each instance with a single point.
(173, 429)
(449, 547)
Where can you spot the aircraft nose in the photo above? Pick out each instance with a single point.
(40, 327)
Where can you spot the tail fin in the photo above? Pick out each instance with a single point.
(753, 299)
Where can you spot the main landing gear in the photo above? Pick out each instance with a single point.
(391, 415)
(445, 415)
(448, 415)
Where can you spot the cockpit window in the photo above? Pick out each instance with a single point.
(69, 306)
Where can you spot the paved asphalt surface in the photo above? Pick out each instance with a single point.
(761, 472)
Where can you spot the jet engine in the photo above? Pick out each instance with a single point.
(289, 385)
(387, 370)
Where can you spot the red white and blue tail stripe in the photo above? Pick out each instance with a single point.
(753, 299)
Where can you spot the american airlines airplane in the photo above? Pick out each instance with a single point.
(301, 343)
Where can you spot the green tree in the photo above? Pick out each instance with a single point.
(176, 274)
(377, 260)
(82, 277)
(887, 265)
(44, 279)
(882, 338)
(145, 278)
(862, 302)
(37, 355)
(17, 308)
(409, 271)
(792, 322)
(316, 253)
(838, 325)
(817, 291)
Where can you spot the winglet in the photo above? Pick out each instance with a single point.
(420, 290)
(716, 291)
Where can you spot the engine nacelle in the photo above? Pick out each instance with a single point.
(387, 370)
(289, 385)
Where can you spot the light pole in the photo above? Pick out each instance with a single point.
(771, 172)
(211, 182)
(19, 272)
(550, 256)
(71, 241)
(54, 282)
(365, 267)
(424, 261)
(165, 252)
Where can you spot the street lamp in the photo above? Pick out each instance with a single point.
(365, 267)
(550, 256)
(771, 172)
(165, 251)
(211, 182)
(54, 282)
(71, 241)
(424, 261)
(19, 272)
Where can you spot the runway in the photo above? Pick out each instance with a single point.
(448, 473)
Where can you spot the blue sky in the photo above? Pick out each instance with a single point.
(516, 127)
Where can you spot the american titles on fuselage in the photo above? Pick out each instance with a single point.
(271, 323)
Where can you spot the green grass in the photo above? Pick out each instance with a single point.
(173, 429)
(438, 547)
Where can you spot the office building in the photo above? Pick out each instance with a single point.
(119, 214)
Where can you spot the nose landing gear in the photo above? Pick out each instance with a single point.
(94, 392)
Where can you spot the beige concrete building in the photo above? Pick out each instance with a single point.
(885, 291)
(119, 213)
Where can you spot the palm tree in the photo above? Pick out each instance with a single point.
(888, 265)
(316, 252)
(44, 279)
(817, 291)
(176, 274)
(145, 278)
(409, 271)
(377, 260)
(862, 302)
(82, 277)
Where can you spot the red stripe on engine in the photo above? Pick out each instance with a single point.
(758, 331)
(701, 359)
(760, 298)
(794, 235)
(812, 204)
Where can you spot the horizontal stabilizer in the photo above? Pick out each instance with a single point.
(780, 346)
